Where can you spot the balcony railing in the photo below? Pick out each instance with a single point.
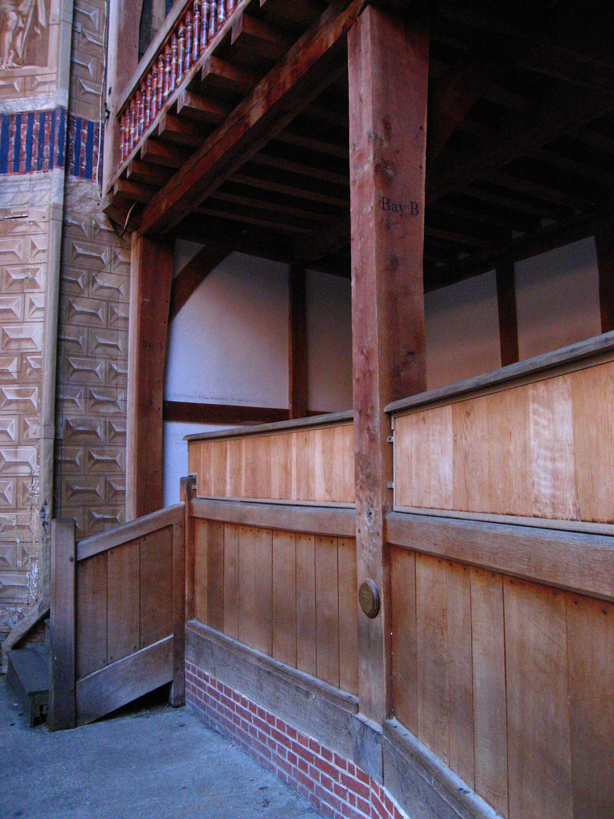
(177, 56)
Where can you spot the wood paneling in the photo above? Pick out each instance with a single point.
(539, 752)
(543, 449)
(289, 595)
(123, 601)
(156, 587)
(310, 465)
(509, 683)
(91, 615)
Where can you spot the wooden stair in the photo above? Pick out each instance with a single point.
(28, 676)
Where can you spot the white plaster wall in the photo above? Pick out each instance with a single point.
(329, 342)
(462, 330)
(557, 297)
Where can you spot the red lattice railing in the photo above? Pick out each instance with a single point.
(182, 49)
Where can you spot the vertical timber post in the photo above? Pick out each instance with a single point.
(187, 493)
(508, 314)
(297, 341)
(151, 274)
(388, 73)
(62, 700)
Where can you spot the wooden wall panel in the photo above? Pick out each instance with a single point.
(404, 638)
(348, 616)
(590, 630)
(543, 449)
(306, 604)
(327, 611)
(156, 587)
(509, 682)
(263, 590)
(314, 465)
(91, 632)
(123, 601)
(539, 751)
(231, 581)
(201, 576)
(247, 585)
(215, 575)
(284, 597)
(489, 694)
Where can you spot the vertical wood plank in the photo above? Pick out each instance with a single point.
(263, 590)
(247, 586)
(348, 616)
(262, 452)
(156, 598)
(305, 465)
(460, 672)
(215, 575)
(424, 454)
(386, 56)
(348, 492)
(219, 466)
(231, 581)
(205, 471)
(492, 478)
(489, 695)
(284, 597)
(539, 754)
(305, 604)
(123, 601)
(433, 665)
(281, 467)
(593, 430)
(327, 611)
(590, 630)
(177, 695)
(235, 467)
(91, 614)
(404, 638)
(201, 578)
(62, 708)
(552, 449)
(187, 491)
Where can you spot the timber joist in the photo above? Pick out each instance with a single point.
(254, 137)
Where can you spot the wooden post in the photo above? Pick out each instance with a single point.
(151, 275)
(604, 241)
(297, 342)
(508, 316)
(388, 72)
(177, 695)
(62, 706)
(188, 492)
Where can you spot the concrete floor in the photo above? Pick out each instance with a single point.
(156, 762)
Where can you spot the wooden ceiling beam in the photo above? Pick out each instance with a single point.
(265, 204)
(218, 73)
(316, 246)
(535, 128)
(549, 194)
(161, 153)
(289, 188)
(293, 84)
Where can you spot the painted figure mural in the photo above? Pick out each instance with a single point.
(21, 24)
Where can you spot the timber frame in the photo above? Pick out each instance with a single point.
(291, 134)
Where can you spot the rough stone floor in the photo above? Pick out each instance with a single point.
(154, 762)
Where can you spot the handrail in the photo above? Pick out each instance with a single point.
(181, 48)
(329, 419)
(574, 356)
(132, 530)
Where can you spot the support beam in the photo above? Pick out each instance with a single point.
(150, 287)
(508, 318)
(195, 272)
(388, 78)
(297, 341)
(604, 241)
(307, 69)
(184, 412)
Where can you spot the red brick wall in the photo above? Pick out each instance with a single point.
(336, 786)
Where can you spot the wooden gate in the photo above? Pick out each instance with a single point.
(117, 616)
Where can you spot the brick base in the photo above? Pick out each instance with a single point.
(336, 786)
